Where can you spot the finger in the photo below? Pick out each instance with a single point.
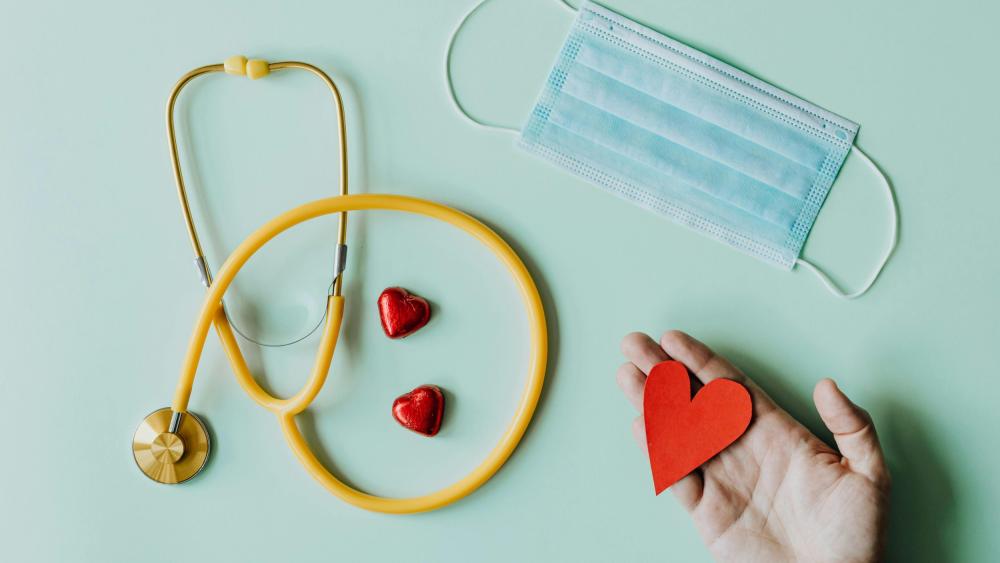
(705, 364)
(853, 431)
(639, 433)
(642, 351)
(632, 382)
(688, 490)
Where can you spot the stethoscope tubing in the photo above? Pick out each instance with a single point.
(286, 409)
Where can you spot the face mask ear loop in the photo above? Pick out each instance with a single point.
(894, 211)
(450, 83)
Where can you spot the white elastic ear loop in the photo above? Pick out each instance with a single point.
(825, 279)
(451, 85)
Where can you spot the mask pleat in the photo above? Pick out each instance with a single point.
(643, 179)
(705, 102)
(727, 185)
(711, 141)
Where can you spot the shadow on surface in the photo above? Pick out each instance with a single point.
(551, 320)
(923, 502)
(306, 421)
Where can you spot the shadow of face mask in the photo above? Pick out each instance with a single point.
(689, 137)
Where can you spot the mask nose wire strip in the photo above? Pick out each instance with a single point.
(451, 84)
(893, 241)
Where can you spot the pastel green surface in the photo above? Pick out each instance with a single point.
(99, 293)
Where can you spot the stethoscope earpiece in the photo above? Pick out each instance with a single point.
(235, 65)
(238, 65)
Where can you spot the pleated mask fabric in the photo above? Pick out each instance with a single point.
(685, 135)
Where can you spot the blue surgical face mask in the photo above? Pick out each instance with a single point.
(687, 136)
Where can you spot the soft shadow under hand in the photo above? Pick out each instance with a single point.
(923, 502)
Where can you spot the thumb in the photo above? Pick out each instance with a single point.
(853, 430)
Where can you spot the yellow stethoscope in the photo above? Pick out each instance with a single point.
(171, 444)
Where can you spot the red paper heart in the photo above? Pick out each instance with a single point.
(420, 410)
(682, 433)
(401, 312)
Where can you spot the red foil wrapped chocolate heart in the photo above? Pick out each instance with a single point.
(420, 410)
(401, 312)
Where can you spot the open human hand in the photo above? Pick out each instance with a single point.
(778, 493)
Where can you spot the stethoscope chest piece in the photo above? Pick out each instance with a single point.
(170, 449)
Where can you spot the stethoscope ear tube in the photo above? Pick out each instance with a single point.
(255, 68)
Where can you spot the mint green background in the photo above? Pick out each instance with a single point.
(99, 294)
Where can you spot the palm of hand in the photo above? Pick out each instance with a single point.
(781, 494)
(778, 493)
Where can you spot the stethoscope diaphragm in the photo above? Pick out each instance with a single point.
(168, 455)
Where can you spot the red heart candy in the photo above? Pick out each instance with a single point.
(682, 433)
(420, 410)
(401, 312)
